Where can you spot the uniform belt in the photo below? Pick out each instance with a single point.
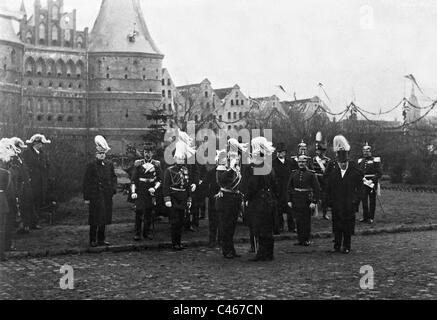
(146, 180)
(1, 191)
(302, 190)
(177, 189)
(229, 190)
(369, 175)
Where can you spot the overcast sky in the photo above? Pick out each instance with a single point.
(259, 44)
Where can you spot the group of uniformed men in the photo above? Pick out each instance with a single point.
(272, 196)
(24, 183)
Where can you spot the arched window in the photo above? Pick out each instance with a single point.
(240, 115)
(80, 107)
(55, 12)
(55, 35)
(29, 66)
(70, 107)
(13, 56)
(229, 116)
(67, 35)
(51, 67)
(169, 107)
(70, 68)
(79, 69)
(40, 67)
(79, 42)
(50, 106)
(60, 66)
(39, 106)
(42, 33)
(29, 106)
(28, 37)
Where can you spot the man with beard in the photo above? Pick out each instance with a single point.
(261, 196)
(344, 181)
(146, 180)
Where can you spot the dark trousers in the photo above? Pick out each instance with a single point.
(264, 236)
(228, 207)
(176, 222)
(143, 221)
(369, 197)
(303, 224)
(290, 220)
(214, 222)
(97, 233)
(342, 237)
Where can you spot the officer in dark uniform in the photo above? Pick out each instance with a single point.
(229, 198)
(303, 195)
(371, 167)
(283, 168)
(320, 163)
(145, 181)
(177, 190)
(262, 195)
(99, 186)
(302, 149)
(212, 189)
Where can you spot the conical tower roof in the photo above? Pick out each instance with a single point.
(7, 32)
(117, 20)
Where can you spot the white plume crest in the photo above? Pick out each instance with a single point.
(319, 137)
(101, 144)
(340, 143)
(6, 150)
(184, 146)
(262, 145)
(235, 145)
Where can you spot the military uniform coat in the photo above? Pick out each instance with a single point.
(343, 196)
(38, 166)
(176, 187)
(143, 180)
(23, 190)
(99, 186)
(282, 175)
(262, 193)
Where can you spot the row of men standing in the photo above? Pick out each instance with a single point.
(231, 187)
(27, 188)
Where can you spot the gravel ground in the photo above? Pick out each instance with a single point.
(404, 268)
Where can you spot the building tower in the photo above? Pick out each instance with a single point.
(11, 55)
(124, 73)
(413, 113)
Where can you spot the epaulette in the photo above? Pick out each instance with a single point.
(377, 159)
(138, 162)
(156, 163)
(360, 160)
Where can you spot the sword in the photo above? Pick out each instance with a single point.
(380, 203)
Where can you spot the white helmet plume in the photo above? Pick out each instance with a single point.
(235, 145)
(340, 143)
(101, 144)
(262, 145)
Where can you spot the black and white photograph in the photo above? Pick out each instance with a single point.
(217, 155)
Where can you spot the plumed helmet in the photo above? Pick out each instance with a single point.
(6, 150)
(18, 143)
(235, 146)
(320, 144)
(367, 147)
(101, 144)
(341, 148)
(261, 146)
(184, 146)
(38, 138)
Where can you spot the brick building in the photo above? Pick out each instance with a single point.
(71, 83)
(234, 108)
